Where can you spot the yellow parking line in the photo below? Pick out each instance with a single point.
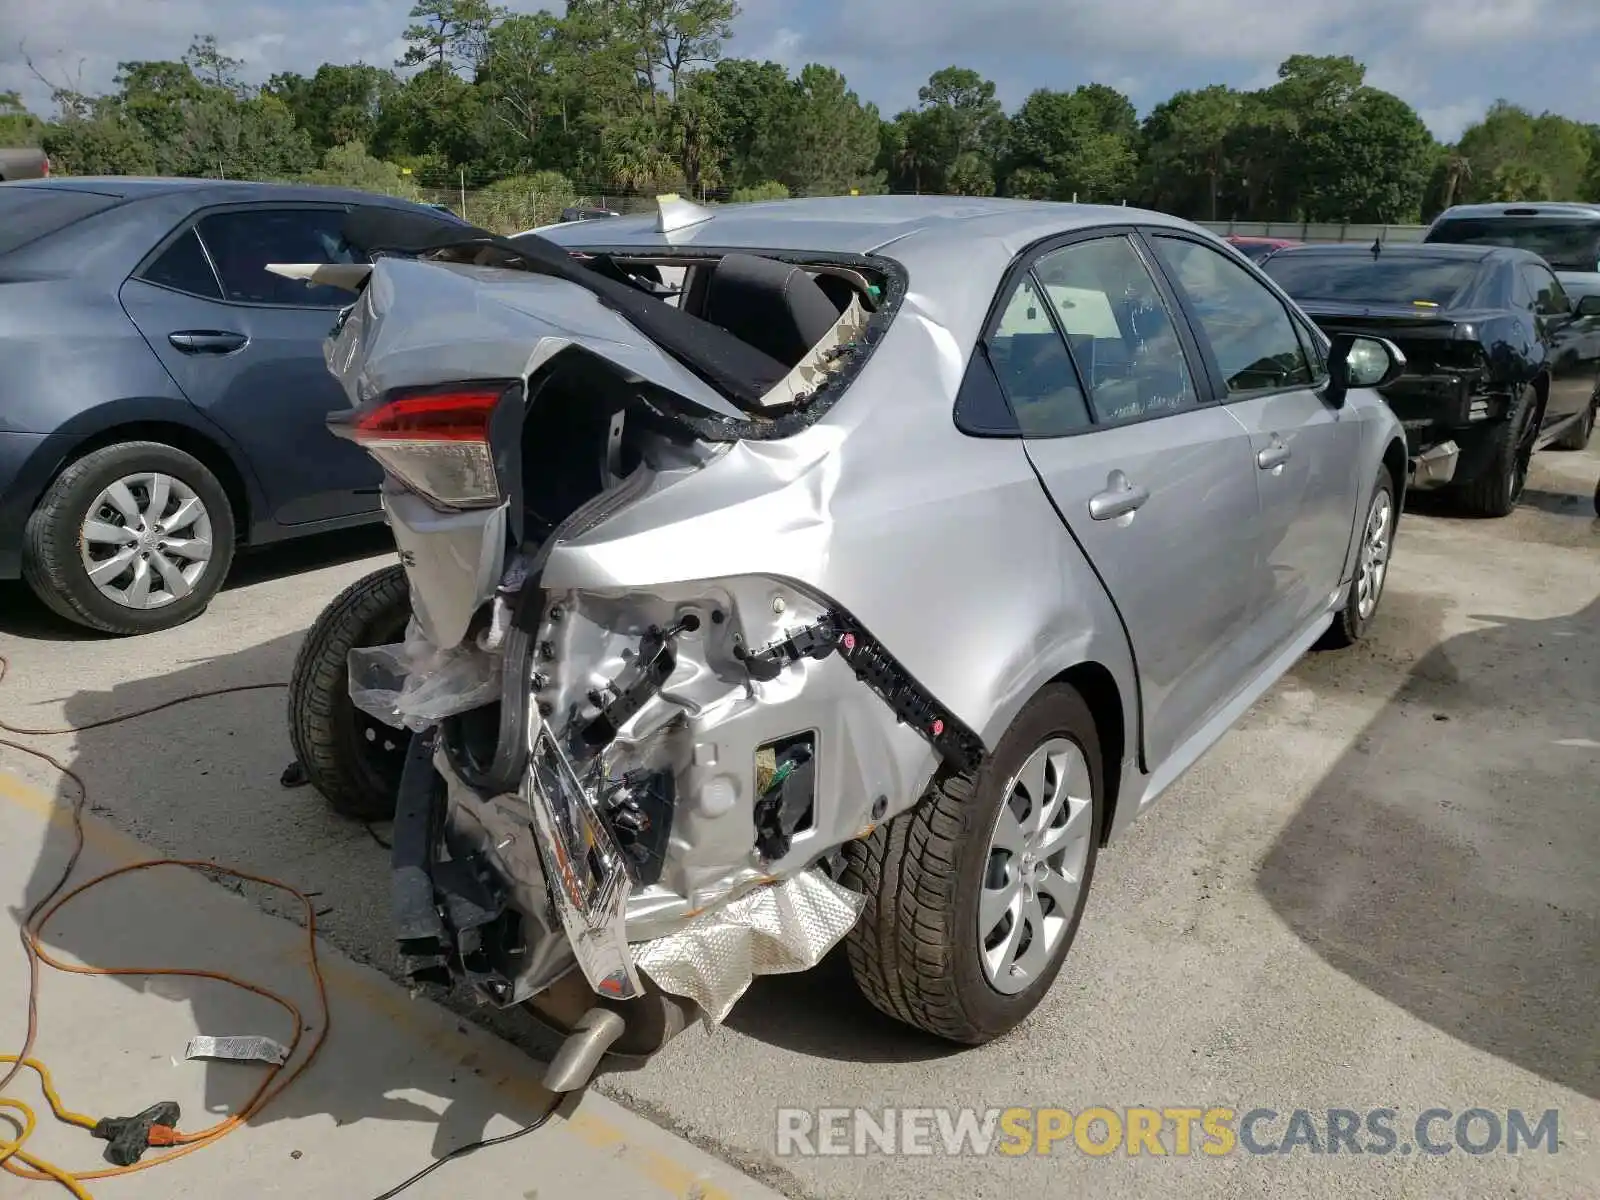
(676, 1179)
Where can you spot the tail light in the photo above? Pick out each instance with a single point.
(47, 166)
(433, 440)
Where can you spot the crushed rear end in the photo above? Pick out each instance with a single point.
(628, 788)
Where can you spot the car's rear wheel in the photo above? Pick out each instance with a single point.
(131, 538)
(974, 895)
(1577, 438)
(1352, 621)
(353, 759)
(1496, 491)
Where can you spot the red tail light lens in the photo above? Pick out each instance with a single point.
(434, 441)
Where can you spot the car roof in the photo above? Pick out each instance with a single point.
(207, 191)
(856, 224)
(1518, 209)
(1435, 250)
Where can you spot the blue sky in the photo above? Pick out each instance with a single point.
(1448, 58)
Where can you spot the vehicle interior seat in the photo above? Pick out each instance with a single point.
(774, 306)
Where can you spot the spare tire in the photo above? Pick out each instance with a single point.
(353, 759)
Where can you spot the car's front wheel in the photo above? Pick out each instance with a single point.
(131, 538)
(974, 896)
(1577, 438)
(1376, 544)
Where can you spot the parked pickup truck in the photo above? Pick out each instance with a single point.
(23, 162)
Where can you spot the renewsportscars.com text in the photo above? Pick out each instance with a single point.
(1213, 1132)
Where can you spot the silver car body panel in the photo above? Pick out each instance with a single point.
(984, 584)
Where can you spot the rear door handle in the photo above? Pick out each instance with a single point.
(1117, 502)
(207, 341)
(1273, 456)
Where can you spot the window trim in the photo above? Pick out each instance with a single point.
(1023, 265)
(171, 239)
(192, 221)
(1219, 382)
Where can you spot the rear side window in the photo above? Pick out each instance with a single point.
(1032, 364)
(183, 267)
(1566, 245)
(30, 213)
(242, 243)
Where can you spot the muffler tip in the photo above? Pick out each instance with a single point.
(584, 1047)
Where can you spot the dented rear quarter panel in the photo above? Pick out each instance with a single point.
(943, 546)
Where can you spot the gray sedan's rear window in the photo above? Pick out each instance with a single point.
(28, 213)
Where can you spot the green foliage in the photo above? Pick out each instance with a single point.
(636, 96)
(757, 192)
(521, 202)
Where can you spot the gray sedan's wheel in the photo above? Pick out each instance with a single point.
(1373, 550)
(974, 896)
(131, 538)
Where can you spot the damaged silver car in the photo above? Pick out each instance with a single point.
(841, 569)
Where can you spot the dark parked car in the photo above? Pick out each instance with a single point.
(1257, 248)
(1567, 236)
(1500, 362)
(164, 394)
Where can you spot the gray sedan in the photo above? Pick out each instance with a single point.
(923, 543)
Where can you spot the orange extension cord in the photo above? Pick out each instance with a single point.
(13, 1157)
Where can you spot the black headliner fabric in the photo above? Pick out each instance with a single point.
(717, 356)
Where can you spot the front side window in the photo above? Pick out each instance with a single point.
(1121, 332)
(1249, 330)
(243, 242)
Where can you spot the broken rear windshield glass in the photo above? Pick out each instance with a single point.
(1368, 280)
(1565, 245)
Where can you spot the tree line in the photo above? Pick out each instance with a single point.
(639, 97)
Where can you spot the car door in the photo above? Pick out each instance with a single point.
(1568, 344)
(1154, 480)
(246, 347)
(1270, 369)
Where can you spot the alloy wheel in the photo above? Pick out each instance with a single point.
(1373, 568)
(1038, 852)
(146, 540)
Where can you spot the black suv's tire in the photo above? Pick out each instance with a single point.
(1577, 438)
(916, 950)
(354, 760)
(57, 534)
(1376, 547)
(1495, 492)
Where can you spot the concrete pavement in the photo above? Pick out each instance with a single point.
(1378, 891)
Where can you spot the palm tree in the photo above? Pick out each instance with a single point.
(1457, 170)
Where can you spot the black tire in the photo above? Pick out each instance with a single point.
(1349, 625)
(1577, 438)
(354, 760)
(1495, 492)
(914, 952)
(52, 563)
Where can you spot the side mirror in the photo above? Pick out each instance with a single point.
(1589, 306)
(1361, 362)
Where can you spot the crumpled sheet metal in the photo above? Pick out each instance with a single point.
(774, 930)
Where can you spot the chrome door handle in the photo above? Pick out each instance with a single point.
(1107, 506)
(1273, 456)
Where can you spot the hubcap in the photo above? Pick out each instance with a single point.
(146, 541)
(1038, 852)
(1374, 555)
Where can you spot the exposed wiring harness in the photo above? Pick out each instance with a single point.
(129, 1138)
